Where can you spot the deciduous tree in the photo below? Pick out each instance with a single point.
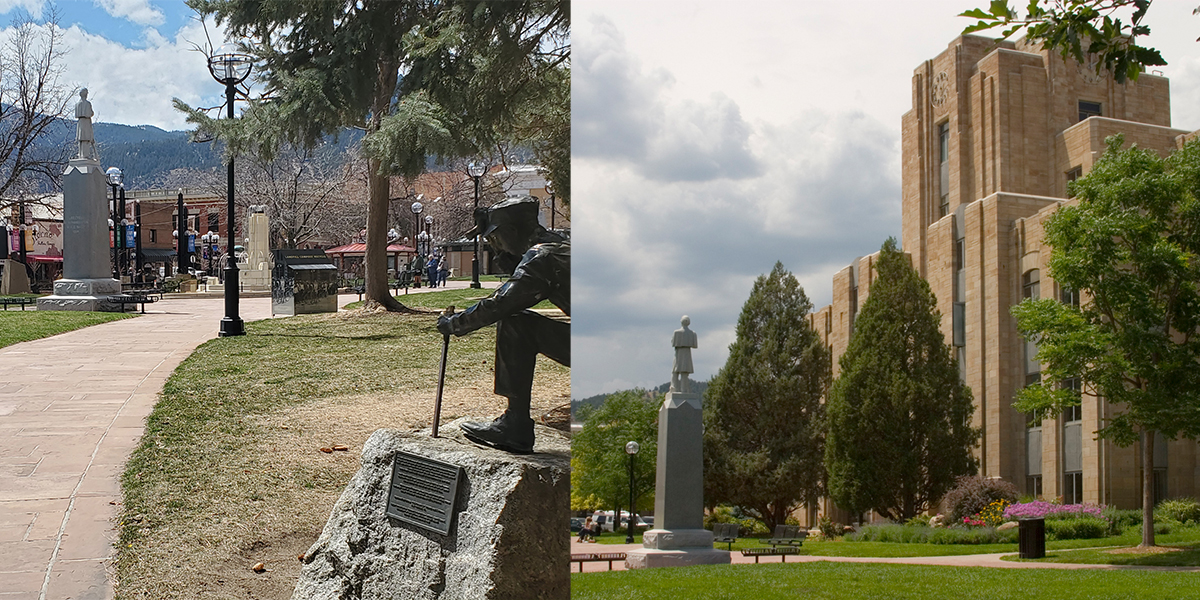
(763, 418)
(599, 464)
(1132, 247)
(1077, 29)
(899, 416)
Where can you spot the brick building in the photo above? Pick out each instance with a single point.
(996, 131)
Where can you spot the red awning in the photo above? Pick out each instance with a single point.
(361, 249)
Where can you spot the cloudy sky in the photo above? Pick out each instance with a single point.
(132, 55)
(711, 140)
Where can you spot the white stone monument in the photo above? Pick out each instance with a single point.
(679, 537)
(255, 272)
(87, 267)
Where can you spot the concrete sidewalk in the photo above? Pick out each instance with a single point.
(969, 560)
(72, 407)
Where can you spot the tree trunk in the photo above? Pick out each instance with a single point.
(1147, 489)
(375, 262)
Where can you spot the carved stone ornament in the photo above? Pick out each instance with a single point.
(1087, 70)
(940, 88)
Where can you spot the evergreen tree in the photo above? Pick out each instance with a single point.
(763, 419)
(899, 416)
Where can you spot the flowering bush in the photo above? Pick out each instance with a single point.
(1039, 509)
(971, 495)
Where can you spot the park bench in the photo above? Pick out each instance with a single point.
(781, 551)
(597, 557)
(787, 535)
(725, 533)
(20, 300)
(135, 298)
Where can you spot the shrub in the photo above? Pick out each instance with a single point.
(918, 534)
(972, 494)
(829, 529)
(1179, 510)
(1075, 528)
(921, 520)
(171, 284)
(1121, 520)
(1047, 510)
(733, 514)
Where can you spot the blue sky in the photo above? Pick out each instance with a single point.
(132, 55)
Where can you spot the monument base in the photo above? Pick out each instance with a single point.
(507, 537)
(14, 279)
(677, 548)
(82, 294)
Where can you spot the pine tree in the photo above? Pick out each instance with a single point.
(899, 416)
(763, 419)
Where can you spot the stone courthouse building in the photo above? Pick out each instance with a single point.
(996, 131)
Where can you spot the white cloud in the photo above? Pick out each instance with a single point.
(33, 7)
(135, 86)
(137, 11)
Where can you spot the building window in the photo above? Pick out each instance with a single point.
(1033, 486)
(944, 169)
(1074, 413)
(1073, 488)
(1068, 296)
(1030, 286)
(1088, 109)
(153, 235)
(214, 221)
(853, 307)
(1072, 175)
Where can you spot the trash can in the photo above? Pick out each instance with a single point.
(1031, 538)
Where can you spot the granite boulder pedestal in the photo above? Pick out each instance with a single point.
(508, 537)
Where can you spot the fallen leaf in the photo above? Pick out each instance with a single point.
(327, 450)
(341, 448)
(300, 557)
(259, 568)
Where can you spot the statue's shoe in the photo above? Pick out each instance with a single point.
(502, 435)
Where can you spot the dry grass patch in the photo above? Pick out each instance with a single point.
(230, 472)
(1144, 550)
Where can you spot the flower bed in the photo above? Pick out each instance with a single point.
(1039, 509)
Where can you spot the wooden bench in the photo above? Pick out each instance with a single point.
(597, 557)
(725, 533)
(781, 551)
(135, 298)
(21, 300)
(787, 535)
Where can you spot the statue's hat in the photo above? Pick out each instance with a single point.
(518, 210)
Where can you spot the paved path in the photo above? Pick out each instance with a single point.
(72, 407)
(969, 560)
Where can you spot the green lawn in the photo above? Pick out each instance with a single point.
(825, 580)
(23, 325)
(459, 299)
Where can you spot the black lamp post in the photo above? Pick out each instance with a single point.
(210, 240)
(182, 262)
(550, 190)
(429, 233)
(113, 176)
(230, 68)
(137, 242)
(631, 449)
(476, 170)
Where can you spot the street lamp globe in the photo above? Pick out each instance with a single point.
(429, 219)
(229, 66)
(113, 175)
(417, 207)
(632, 448)
(475, 169)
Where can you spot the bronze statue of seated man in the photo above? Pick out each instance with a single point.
(541, 270)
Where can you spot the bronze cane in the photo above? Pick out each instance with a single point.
(437, 406)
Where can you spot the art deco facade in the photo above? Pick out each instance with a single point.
(996, 131)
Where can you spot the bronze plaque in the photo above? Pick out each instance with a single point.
(423, 492)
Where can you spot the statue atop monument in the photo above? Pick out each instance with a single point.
(684, 340)
(83, 128)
